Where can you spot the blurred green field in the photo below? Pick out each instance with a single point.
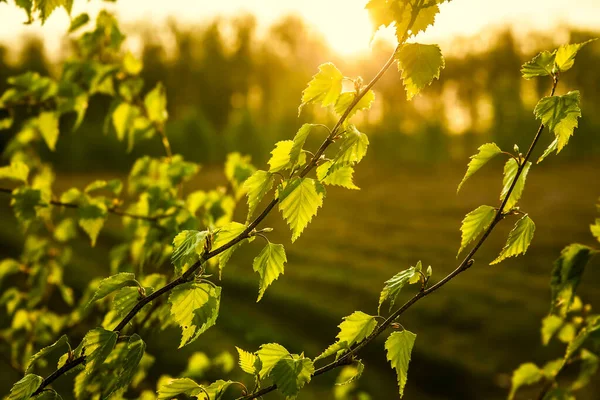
(470, 335)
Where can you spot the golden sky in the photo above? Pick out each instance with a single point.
(344, 23)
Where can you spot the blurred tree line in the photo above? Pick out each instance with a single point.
(232, 87)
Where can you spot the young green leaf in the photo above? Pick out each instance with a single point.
(113, 283)
(269, 265)
(324, 88)
(133, 353)
(399, 347)
(475, 223)
(588, 368)
(550, 325)
(45, 351)
(156, 104)
(420, 65)
(299, 202)
(565, 55)
(280, 156)
(123, 117)
(23, 389)
(78, 22)
(350, 374)
(26, 203)
(340, 176)
(526, 374)
(195, 307)
(518, 239)
(256, 187)
(47, 125)
(394, 285)
(237, 170)
(356, 327)
(559, 114)
(187, 247)
(346, 98)
(215, 390)
(98, 343)
(269, 355)
(249, 362)
(510, 172)
(175, 387)
(17, 171)
(592, 328)
(115, 186)
(566, 275)
(353, 148)
(91, 219)
(291, 373)
(552, 147)
(223, 236)
(298, 143)
(485, 154)
(540, 65)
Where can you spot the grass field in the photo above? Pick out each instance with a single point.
(470, 335)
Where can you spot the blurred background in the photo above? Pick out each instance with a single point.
(234, 74)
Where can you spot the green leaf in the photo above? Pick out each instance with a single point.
(399, 347)
(249, 362)
(356, 327)
(485, 154)
(588, 368)
(510, 172)
(175, 387)
(131, 65)
(78, 22)
(195, 307)
(48, 394)
(394, 285)
(592, 328)
(346, 98)
(324, 88)
(47, 125)
(420, 65)
(540, 65)
(114, 185)
(156, 104)
(23, 389)
(299, 202)
(552, 147)
(125, 299)
(518, 239)
(123, 117)
(26, 203)
(91, 219)
(566, 275)
(565, 55)
(595, 229)
(17, 171)
(47, 7)
(225, 235)
(526, 374)
(269, 265)
(215, 390)
(8, 267)
(269, 355)
(98, 343)
(559, 114)
(257, 186)
(350, 373)
(113, 283)
(281, 157)
(475, 223)
(45, 351)
(129, 367)
(187, 247)
(550, 325)
(237, 170)
(298, 143)
(353, 148)
(291, 373)
(341, 176)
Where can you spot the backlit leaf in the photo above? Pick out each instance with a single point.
(291, 373)
(23, 389)
(269, 355)
(550, 325)
(324, 88)
(187, 247)
(256, 187)
(420, 65)
(399, 347)
(394, 285)
(518, 241)
(346, 98)
(485, 154)
(540, 65)
(45, 351)
(281, 157)
(98, 343)
(341, 176)
(299, 202)
(156, 104)
(269, 265)
(17, 171)
(475, 223)
(510, 172)
(249, 362)
(47, 124)
(174, 387)
(113, 283)
(91, 219)
(565, 55)
(560, 114)
(526, 374)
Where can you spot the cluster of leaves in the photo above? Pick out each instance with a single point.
(570, 322)
(196, 231)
